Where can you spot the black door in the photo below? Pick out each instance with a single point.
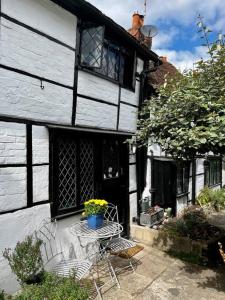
(164, 184)
(113, 177)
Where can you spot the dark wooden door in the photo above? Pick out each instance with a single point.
(113, 175)
(164, 184)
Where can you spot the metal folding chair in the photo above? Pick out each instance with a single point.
(118, 244)
(53, 256)
(54, 259)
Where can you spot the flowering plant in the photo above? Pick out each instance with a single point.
(95, 207)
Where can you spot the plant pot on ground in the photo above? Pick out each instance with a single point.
(26, 261)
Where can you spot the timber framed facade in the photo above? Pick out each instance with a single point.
(62, 121)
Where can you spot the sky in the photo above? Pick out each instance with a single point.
(177, 37)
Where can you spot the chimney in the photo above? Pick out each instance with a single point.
(137, 21)
(163, 59)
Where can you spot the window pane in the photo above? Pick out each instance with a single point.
(113, 64)
(92, 46)
(179, 180)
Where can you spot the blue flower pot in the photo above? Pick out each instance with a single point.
(95, 221)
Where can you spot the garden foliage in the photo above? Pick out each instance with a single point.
(54, 287)
(25, 260)
(212, 199)
(187, 116)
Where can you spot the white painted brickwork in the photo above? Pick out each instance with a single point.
(132, 178)
(95, 114)
(95, 87)
(199, 183)
(133, 206)
(199, 166)
(131, 97)
(223, 171)
(40, 144)
(25, 50)
(13, 188)
(132, 158)
(21, 96)
(45, 16)
(12, 143)
(13, 228)
(40, 183)
(128, 118)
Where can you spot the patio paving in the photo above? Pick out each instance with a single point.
(158, 276)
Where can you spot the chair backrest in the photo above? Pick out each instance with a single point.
(51, 247)
(111, 213)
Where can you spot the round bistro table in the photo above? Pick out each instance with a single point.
(107, 231)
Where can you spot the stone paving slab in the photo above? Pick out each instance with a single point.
(157, 276)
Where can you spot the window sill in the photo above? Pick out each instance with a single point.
(215, 185)
(67, 215)
(183, 194)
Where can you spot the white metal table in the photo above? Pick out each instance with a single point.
(108, 230)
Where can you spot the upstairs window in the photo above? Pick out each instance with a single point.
(92, 46)
(103, 56)
(213, 171)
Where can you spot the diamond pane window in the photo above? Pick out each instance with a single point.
(74, 173)
(67, 170)
(92, 46)
(86, 170)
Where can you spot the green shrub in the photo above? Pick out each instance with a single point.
(2, 297)
(54, 287)
(25, 260)
(193, 224)
(214, 199)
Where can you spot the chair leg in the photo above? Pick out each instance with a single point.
(98, 290)
(113, 273)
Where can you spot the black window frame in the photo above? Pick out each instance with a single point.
(213, 171)
(126, 76)
(183, 175)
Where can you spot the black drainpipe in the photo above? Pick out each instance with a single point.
(193, 180)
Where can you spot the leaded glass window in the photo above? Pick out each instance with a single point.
(110, 63)
(75, 172)
(213, 172)
(110, 159)
(92, 46)
(183, 170)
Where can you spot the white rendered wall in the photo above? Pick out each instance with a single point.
(45, 16)
(28, 51)
(128, 118)
(13, 228)
(131, 97)
(95, 114)
(12, 143)
(21, 96)
(95, 87)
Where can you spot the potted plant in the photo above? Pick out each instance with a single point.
(26, 261)
(94, 209)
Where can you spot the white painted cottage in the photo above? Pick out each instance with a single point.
(70, 82)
